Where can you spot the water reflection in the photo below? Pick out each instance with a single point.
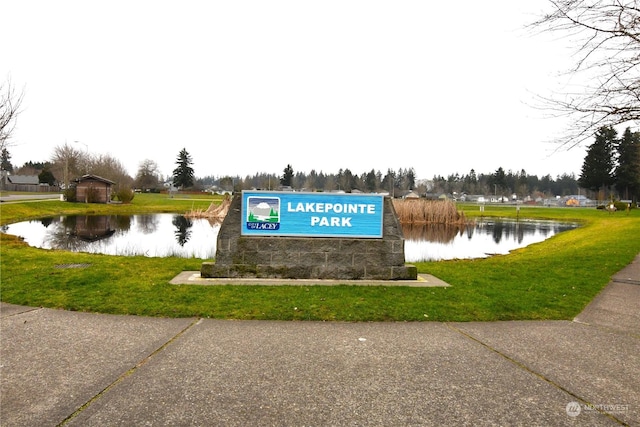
(163, 235)
(484, 238)
(182, 233)
(73, 233)
(441, 233)
(147, 224)
(149, 235)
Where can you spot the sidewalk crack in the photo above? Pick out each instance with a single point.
(129, 372)
(626, 281)
(31, 310)
(532, 372)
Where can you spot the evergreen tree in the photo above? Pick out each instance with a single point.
(597, 169)
(183, 174)
(398, 179)
(46, 177)
(566, 184)
(470, 182)
(348, 182)
(522, 186)
(627, 172)
(5, 159)
(370, 181)
(388, 182)
(287, 177)
(473, 178)
(499, 180)
(410, 179)
(546, 185)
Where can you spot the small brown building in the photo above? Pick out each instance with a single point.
(93, 189)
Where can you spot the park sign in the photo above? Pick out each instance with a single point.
(299, 214)
(295, 235)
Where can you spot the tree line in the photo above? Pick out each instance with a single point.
(399, 182)
(68, 162)
(611, 163)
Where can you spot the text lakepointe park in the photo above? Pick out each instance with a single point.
(332, 221)
(271, 213)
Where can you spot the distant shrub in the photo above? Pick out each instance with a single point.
(125, 195)
(70, 194)
(621, 206)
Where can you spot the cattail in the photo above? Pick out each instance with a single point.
(420, 211)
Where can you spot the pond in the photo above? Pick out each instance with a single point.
(161, 235)
(157, 235)
(488, 236)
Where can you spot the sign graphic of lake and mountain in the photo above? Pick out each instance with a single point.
(263, 213)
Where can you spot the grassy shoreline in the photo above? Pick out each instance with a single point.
(553, 279)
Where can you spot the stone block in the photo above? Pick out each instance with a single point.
(313, 258)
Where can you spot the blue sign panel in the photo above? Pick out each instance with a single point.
(271, 213)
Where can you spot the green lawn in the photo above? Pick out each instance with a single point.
(553, 279)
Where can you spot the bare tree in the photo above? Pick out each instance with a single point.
(67, 162)
(10, 101)
(148, 175)
(107, 166)
(606, 36)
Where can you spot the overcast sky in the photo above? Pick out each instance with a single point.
(251, 86)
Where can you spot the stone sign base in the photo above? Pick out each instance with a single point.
(309, 257)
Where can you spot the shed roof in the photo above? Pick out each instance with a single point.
(90, 177)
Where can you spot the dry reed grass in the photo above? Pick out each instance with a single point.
(421, 211)
(214, 213)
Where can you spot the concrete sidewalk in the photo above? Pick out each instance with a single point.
(29, 197)
(60, 367)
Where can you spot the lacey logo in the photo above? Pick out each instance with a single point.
(263, 213)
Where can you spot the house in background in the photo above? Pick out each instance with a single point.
(20, 182)
(576, 200)
(410, 195)
(93, 189)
